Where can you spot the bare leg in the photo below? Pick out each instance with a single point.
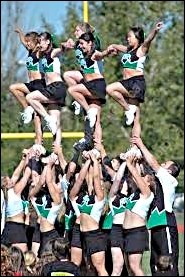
(35, 247)
(19, 91)
(98, 128)
(117, 92)
(22, 246)
(76, 255)
(72, 77)
(38, 129)
(75, 92)
(135, 261)
(98, 261)
(117, 261)
(136, 130)
(34, 99)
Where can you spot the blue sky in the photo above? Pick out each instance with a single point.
(53, 11)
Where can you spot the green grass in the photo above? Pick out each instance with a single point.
(146, 256)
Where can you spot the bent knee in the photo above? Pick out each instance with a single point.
(66, 74)
(12, 87)
(109, 89)
(29, 97)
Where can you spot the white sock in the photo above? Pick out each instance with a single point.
(47, 117)
(29, 108)
(132, 107)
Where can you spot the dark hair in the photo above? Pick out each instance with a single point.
(51, 38)
(60, 248)
(32, 34)
(139, 34)
(175, 169)
(87, 37)
(118, 159)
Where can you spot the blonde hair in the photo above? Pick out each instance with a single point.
(86, 27)
(30, 260)
(4, 188)
(61, 213)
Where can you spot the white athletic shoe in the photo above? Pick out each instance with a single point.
(91, 115)
(27, 115)
(133, 150)
(130, 114)
(39, 148)
(51, 124)
(77, 107)
(96, 153)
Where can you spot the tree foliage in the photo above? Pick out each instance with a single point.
(162, 112)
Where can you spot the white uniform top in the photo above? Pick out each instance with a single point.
(142, 206)
(169, 184)
(14, 204)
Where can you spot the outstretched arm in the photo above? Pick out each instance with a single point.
(96, 177)
(34, 190)
(21, 36)
(57, 149)
(115, 187)
(111, 50)
(81, 176)
(151, 160)
(56, 197)
(143, 187)
(146, 44)
(19, 169)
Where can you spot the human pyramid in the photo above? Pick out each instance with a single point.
(92, 214)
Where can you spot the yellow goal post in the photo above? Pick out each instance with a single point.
(46, 135)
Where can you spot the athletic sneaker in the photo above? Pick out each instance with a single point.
(133, 150)
(39, 148)
(130, 114)
(77, 107)
(27, 115)
(96, 153)
(82, 144)
(51, 124)
(91, 115)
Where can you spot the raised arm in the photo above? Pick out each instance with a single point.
(144, 188)
(105, 160)
(21, 36)
(17, 172)
(117, 47)
(57, 149)
(81, 176)
(96, 177)
(56, 196)
(115, 187)
(151, 160)
(111, 50)
(147, 42)
(20, 185)
(40, 183)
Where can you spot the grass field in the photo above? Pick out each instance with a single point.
(146, 258)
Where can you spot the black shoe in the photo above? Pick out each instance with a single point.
(83, 144)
